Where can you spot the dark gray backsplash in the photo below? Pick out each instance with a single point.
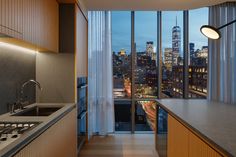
(16, 67)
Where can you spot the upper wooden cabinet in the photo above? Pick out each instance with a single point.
(67, 28)
(81, 43)
(47, 24)
(33, 21)
(74, 35)
(11, 18)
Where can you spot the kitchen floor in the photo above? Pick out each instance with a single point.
(120, 145)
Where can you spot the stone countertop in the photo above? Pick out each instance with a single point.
(46, 122)
(213, 121)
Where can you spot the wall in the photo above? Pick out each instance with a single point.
(83, 7)
(56, 73)
(16, 67)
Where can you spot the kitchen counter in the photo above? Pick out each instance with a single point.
(212, 121)
(46, 122)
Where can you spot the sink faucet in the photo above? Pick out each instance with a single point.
(21, 102)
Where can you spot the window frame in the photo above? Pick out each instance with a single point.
(186, 53)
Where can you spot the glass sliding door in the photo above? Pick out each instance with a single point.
(136, 69)
(121, 46)
(145, 69)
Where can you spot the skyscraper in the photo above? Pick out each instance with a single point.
(176, 43)
(192, 51)
(168, 58)
(149, 48)
(191, 47)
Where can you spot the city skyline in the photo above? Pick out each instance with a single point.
(121, 29)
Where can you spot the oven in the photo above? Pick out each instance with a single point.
(81, 110)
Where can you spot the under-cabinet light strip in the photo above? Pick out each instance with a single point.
(16, 47)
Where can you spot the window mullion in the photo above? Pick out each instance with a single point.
(186, 55)
(159, 55)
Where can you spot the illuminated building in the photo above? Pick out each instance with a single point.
(198, 81)
(122, 52)
(149, 48)
(168, 58)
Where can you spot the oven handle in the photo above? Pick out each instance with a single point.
(82, 115)
(82, 86)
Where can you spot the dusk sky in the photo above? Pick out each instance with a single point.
(146, 28)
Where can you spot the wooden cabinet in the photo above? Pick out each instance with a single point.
(47, 24)
(11, 23)
(67, 28)
(182, 142)
(198, 148)
(28, 16)
(177, 144)
(33, 21)
(58, 141)
(74, 35)
(81, 43)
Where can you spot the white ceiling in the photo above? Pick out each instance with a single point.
(149, 4)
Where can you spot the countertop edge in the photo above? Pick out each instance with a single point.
(197, 132)
(36, 133)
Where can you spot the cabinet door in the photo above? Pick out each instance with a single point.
(81, 43)
(29, 17)
(58, 141)
(11, 18)
(177, 144)
(34, 21)
(198, 148)
(47, 24)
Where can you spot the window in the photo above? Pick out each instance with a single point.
(198, 54)
(145, 69)
(121, 46)
(136, 56)
(145, 115)
(172, 54)
(145, 55)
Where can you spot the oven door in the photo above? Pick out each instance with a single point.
(81, 130)
(82, 124)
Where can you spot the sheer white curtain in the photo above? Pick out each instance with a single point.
(222, 55)
(100, 80)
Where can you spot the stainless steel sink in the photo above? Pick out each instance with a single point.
(38, 111)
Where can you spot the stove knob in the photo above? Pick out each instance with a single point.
(14, 136)
(3, 139)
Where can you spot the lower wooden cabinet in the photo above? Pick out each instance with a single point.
(184, 143)
(58, 141)
(177, 144)
(198, 148)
